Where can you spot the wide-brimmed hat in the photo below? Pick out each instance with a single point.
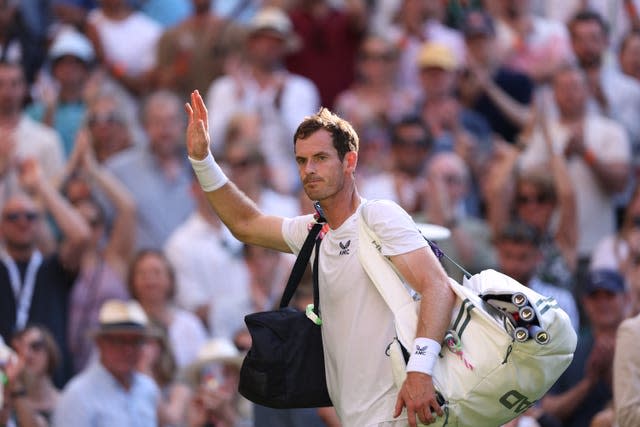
(274, 21)
(117, 316)
(436, 55)
(220, 350)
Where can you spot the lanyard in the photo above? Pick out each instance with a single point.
(22, 292)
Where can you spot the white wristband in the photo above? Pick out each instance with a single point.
(210, 175)
(423, 355)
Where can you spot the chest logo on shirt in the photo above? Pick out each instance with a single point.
(344, 248)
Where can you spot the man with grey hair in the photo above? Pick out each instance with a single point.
(110, 391)
(157, 174)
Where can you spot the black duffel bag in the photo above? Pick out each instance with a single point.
(285, 366)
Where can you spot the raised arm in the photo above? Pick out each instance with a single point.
(239, 213)
(566, 236)
(74, 228)
(121, 241)
(422, 270)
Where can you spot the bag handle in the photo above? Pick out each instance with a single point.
(300, 265)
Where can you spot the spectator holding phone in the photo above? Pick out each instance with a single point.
(215, 375)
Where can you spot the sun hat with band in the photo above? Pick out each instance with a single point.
(117, 316)
(220, 350)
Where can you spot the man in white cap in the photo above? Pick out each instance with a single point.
(262, 86)
(60, 103)
(110, 391)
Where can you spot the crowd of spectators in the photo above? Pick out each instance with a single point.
(513, 123)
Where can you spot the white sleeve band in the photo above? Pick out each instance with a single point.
(209, 174)
(423, 355)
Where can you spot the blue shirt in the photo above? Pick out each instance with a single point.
(162, 203)
(94, 398)
(67, 120)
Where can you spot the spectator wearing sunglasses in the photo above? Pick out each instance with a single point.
(35, 287)
(40, 357)
(620, 251)
(544, 198)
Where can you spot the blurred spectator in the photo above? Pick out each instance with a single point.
(446, 183)
(629, 55)
(23, 35)
(35, 288)
(248, 169)
(616, 95)
(41, 357)
(531, 44)
(151, 282)
(166, 12)
(585, 387)
(518, 248)
(109, 127)
(110, 391)
(597, 153)
(411, 144)
(501, 95)
(195, 52)
(207, 259)
(374, 100)
(24, 136)
(543, 197)
(621, 250)
(626, 383)
(620, 15)
(14, 408)
(262, 86)
(158, 175)
(104, 263)
(157, 361)
(61, 104)
(268, 273)
(125, 43)
(418, 22)
(73, 12)
(452, 126)
(214, 376)
(330, 38)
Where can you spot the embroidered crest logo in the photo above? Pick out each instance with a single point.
(421, 351)
(344, 247)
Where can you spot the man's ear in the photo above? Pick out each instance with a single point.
(351, 160)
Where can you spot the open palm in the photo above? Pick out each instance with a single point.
(198, 139)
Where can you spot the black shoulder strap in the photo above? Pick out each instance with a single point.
(302, 261)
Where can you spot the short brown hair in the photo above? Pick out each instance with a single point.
(344, 137)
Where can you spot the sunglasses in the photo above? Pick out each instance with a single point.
(110, 118)
(243, 163)
(537, 199)
(36, 346)
(376, 56)
(16, 216)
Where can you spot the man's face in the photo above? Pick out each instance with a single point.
(70, 71)
(321, 171)
(267, 48)
(589, 43)
(120, 352)
(164, 126)
(570, 92)
(12, 89)
(19, 223)
(411, 149)
(518, 260)
(436, 81)
(605, 309)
